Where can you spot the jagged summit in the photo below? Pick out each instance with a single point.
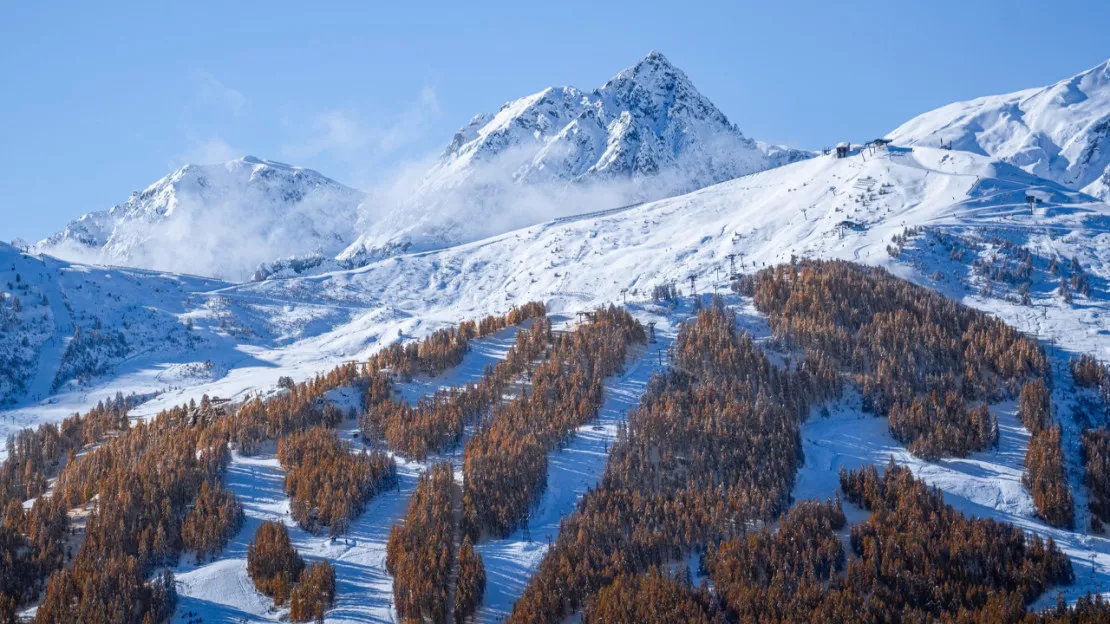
(646, 133)
(1060, 132)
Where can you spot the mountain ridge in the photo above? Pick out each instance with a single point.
(647, 133)
(1060, 132)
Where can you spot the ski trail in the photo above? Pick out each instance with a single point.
(50, 355)
(571, 472)
(364, 589)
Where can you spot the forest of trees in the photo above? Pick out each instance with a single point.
(421, 552)
(423, 555)
(914, 559)
(708, 458)
(327, 483)
(470, 585)
(154, 488)
(272, 561)
(215, 517)
(711, 450)
(1096, 475)
(437, 421)
(919, 358)
(314, 594)
(279, 572)
(652, 597)
(1045, 475)
(505, 461)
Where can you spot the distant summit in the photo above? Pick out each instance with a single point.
(1060, 132)
(217, 220)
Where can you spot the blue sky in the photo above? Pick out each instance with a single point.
(97, 102)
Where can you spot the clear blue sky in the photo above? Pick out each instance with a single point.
(99, 100)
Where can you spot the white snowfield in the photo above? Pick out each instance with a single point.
(1060, 132)
(969, 207)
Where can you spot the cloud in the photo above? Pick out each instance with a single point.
(209, 110)
(211, 92)
(358, 141)
(208, 151)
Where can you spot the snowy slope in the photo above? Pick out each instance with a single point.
(1060, 132)
(823, 207)
(971, 210)
(219, 220)
(646, 133)
(78, 322)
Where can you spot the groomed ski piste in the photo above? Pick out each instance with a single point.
(850, 208)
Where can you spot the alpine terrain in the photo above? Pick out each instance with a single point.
(612, 361)
(1060, 132)
(216, 220)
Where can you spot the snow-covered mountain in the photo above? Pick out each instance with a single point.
(1060, 132)
(218, 220)
(955, 221)
(645, 134)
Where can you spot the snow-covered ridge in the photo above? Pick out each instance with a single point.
(645, 134)
(1060, 132)
(220, 220)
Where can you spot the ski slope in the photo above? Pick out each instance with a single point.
(957, 210)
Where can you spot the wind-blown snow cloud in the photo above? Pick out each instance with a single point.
(361, 146)
(210, 91)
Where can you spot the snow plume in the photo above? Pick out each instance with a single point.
(217, 220)
(226, 238)
(417, 212)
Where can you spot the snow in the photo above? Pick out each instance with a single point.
(1059, 132)
(253, 333)
(986, 484)
(220, 220)
(646, 133)
(573, 470)
(364, 587)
